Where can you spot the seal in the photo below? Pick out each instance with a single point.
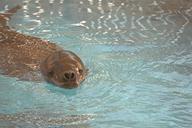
(33, 59)
(63, 68)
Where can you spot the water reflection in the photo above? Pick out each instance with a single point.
(129, 21)
(114, 21)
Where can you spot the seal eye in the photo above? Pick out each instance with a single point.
(80, 71)
(50, 73)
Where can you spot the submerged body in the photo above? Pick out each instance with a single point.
(30, 58)
(46, 119)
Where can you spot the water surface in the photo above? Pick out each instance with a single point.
(139, 54)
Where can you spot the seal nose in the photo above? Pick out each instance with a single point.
(69, 75)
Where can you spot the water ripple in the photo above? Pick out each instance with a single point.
(139, 59)
(157, 21)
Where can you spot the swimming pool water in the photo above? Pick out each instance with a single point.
(139, 55)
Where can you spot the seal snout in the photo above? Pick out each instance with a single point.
(69, 76)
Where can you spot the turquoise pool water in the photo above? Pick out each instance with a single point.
(139, 54)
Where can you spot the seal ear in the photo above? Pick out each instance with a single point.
(47, 67)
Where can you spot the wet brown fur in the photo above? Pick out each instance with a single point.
(30, 58)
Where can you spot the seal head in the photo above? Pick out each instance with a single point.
(64, 69)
